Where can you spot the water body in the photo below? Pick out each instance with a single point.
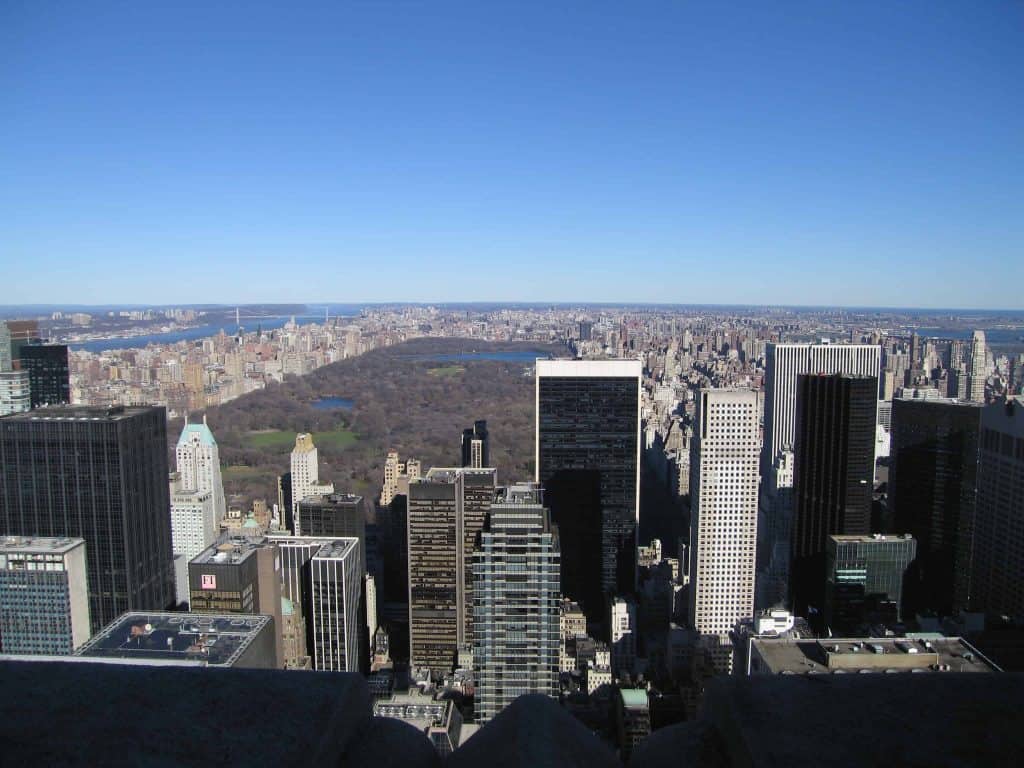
(333, 404)
(192, 334)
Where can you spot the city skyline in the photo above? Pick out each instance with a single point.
(812, 153)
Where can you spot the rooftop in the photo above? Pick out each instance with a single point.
(868, 538)
(230, 549)
(634, 698)
(199, 433)
(186, 638)
(82, 413)
(332, 498)
(38, 545)
(589, 368)
(807, 656)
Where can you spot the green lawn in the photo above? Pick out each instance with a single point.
(447, 371)
(336, 440)
(239, 472)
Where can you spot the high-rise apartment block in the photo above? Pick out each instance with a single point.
(865, 576)
(588, 462)
(6, 364)
(516, 602)
(476, 446)
(933, 478)
(997, 580)
(239, 575)
(15, 392)
(979, 368)
(101, 475)
(198, 463)
(723, 516)
(783, 364)
(622, 635)
(446, 512)
(44, 599)
(48, 373)
(323, 578)
(397, 476)
(305, 471)
(833, 473)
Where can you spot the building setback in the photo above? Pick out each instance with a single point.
(337, 515)
(101, 475)
(476, 446)
(833, 474)
(49, 377)
(44, 602)
(997, 582)
(446, 512)
(588, 462)
(516, 602)
(932, 487)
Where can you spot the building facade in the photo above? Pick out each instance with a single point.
(516, 603)
(833, 474)
(865, 580)
(197, 459)
(15, 392)
(48, 373)
(476, 446)
(305, 472)
(979, 368)
(588, 462)
(101, 475)
(44, 599)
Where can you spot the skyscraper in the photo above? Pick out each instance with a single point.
(865, 576)
(193, 528)
(783, 363)
(446, 512)
(305, 474)
(6, 362)
(833, 473)
(997, 581)
(515, 602)
(48, 373)
(476, 446)
(932, 486)
(723, 515)
(15, 392)
(588, 462)
(44, 600)
(101, 475)
(198, 464)
(979, 368)
(776, 540)
(323, 578)
(337, 515)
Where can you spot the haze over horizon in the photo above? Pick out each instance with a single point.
(843, 156)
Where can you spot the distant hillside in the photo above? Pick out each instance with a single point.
(401, 399)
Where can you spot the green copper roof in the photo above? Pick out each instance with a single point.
(634, 698)
(203, 431)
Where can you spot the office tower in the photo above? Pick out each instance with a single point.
(588, 462)
(783, 363)
(723, 516)
(286, 518)
(777, 505)
(516, 602)
(239, 575)
(623, 631)
(101, 475)
(185, 639)
(979, 368)
(446, 511)
(865, 576)
(193, 528)
(833, 474)
(932, 486)
(305, 474)
(6, 364)
(21, 333)
(475, 446)
(586, 330)
(15, 392)
(336, 515)
(48, 373)
(323, 579)
(198, 464)
(915, 350)
(997, 582)
(44, 600)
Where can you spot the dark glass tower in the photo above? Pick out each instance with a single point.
(588, 461)
(101, 475)
(476, 446)
(932, 485)
(48, 374)
(337, 515)
(833, 473)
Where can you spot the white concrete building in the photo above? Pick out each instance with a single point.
(305, 473)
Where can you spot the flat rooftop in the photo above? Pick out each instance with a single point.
(871, 537)
(230, 549)
(590, 369)
(81, 413)
(38, 545)
(206, 639)
(808, 656)
(332, 498)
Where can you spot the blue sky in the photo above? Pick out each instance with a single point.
(864, 154)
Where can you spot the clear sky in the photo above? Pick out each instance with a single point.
(864, 153)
